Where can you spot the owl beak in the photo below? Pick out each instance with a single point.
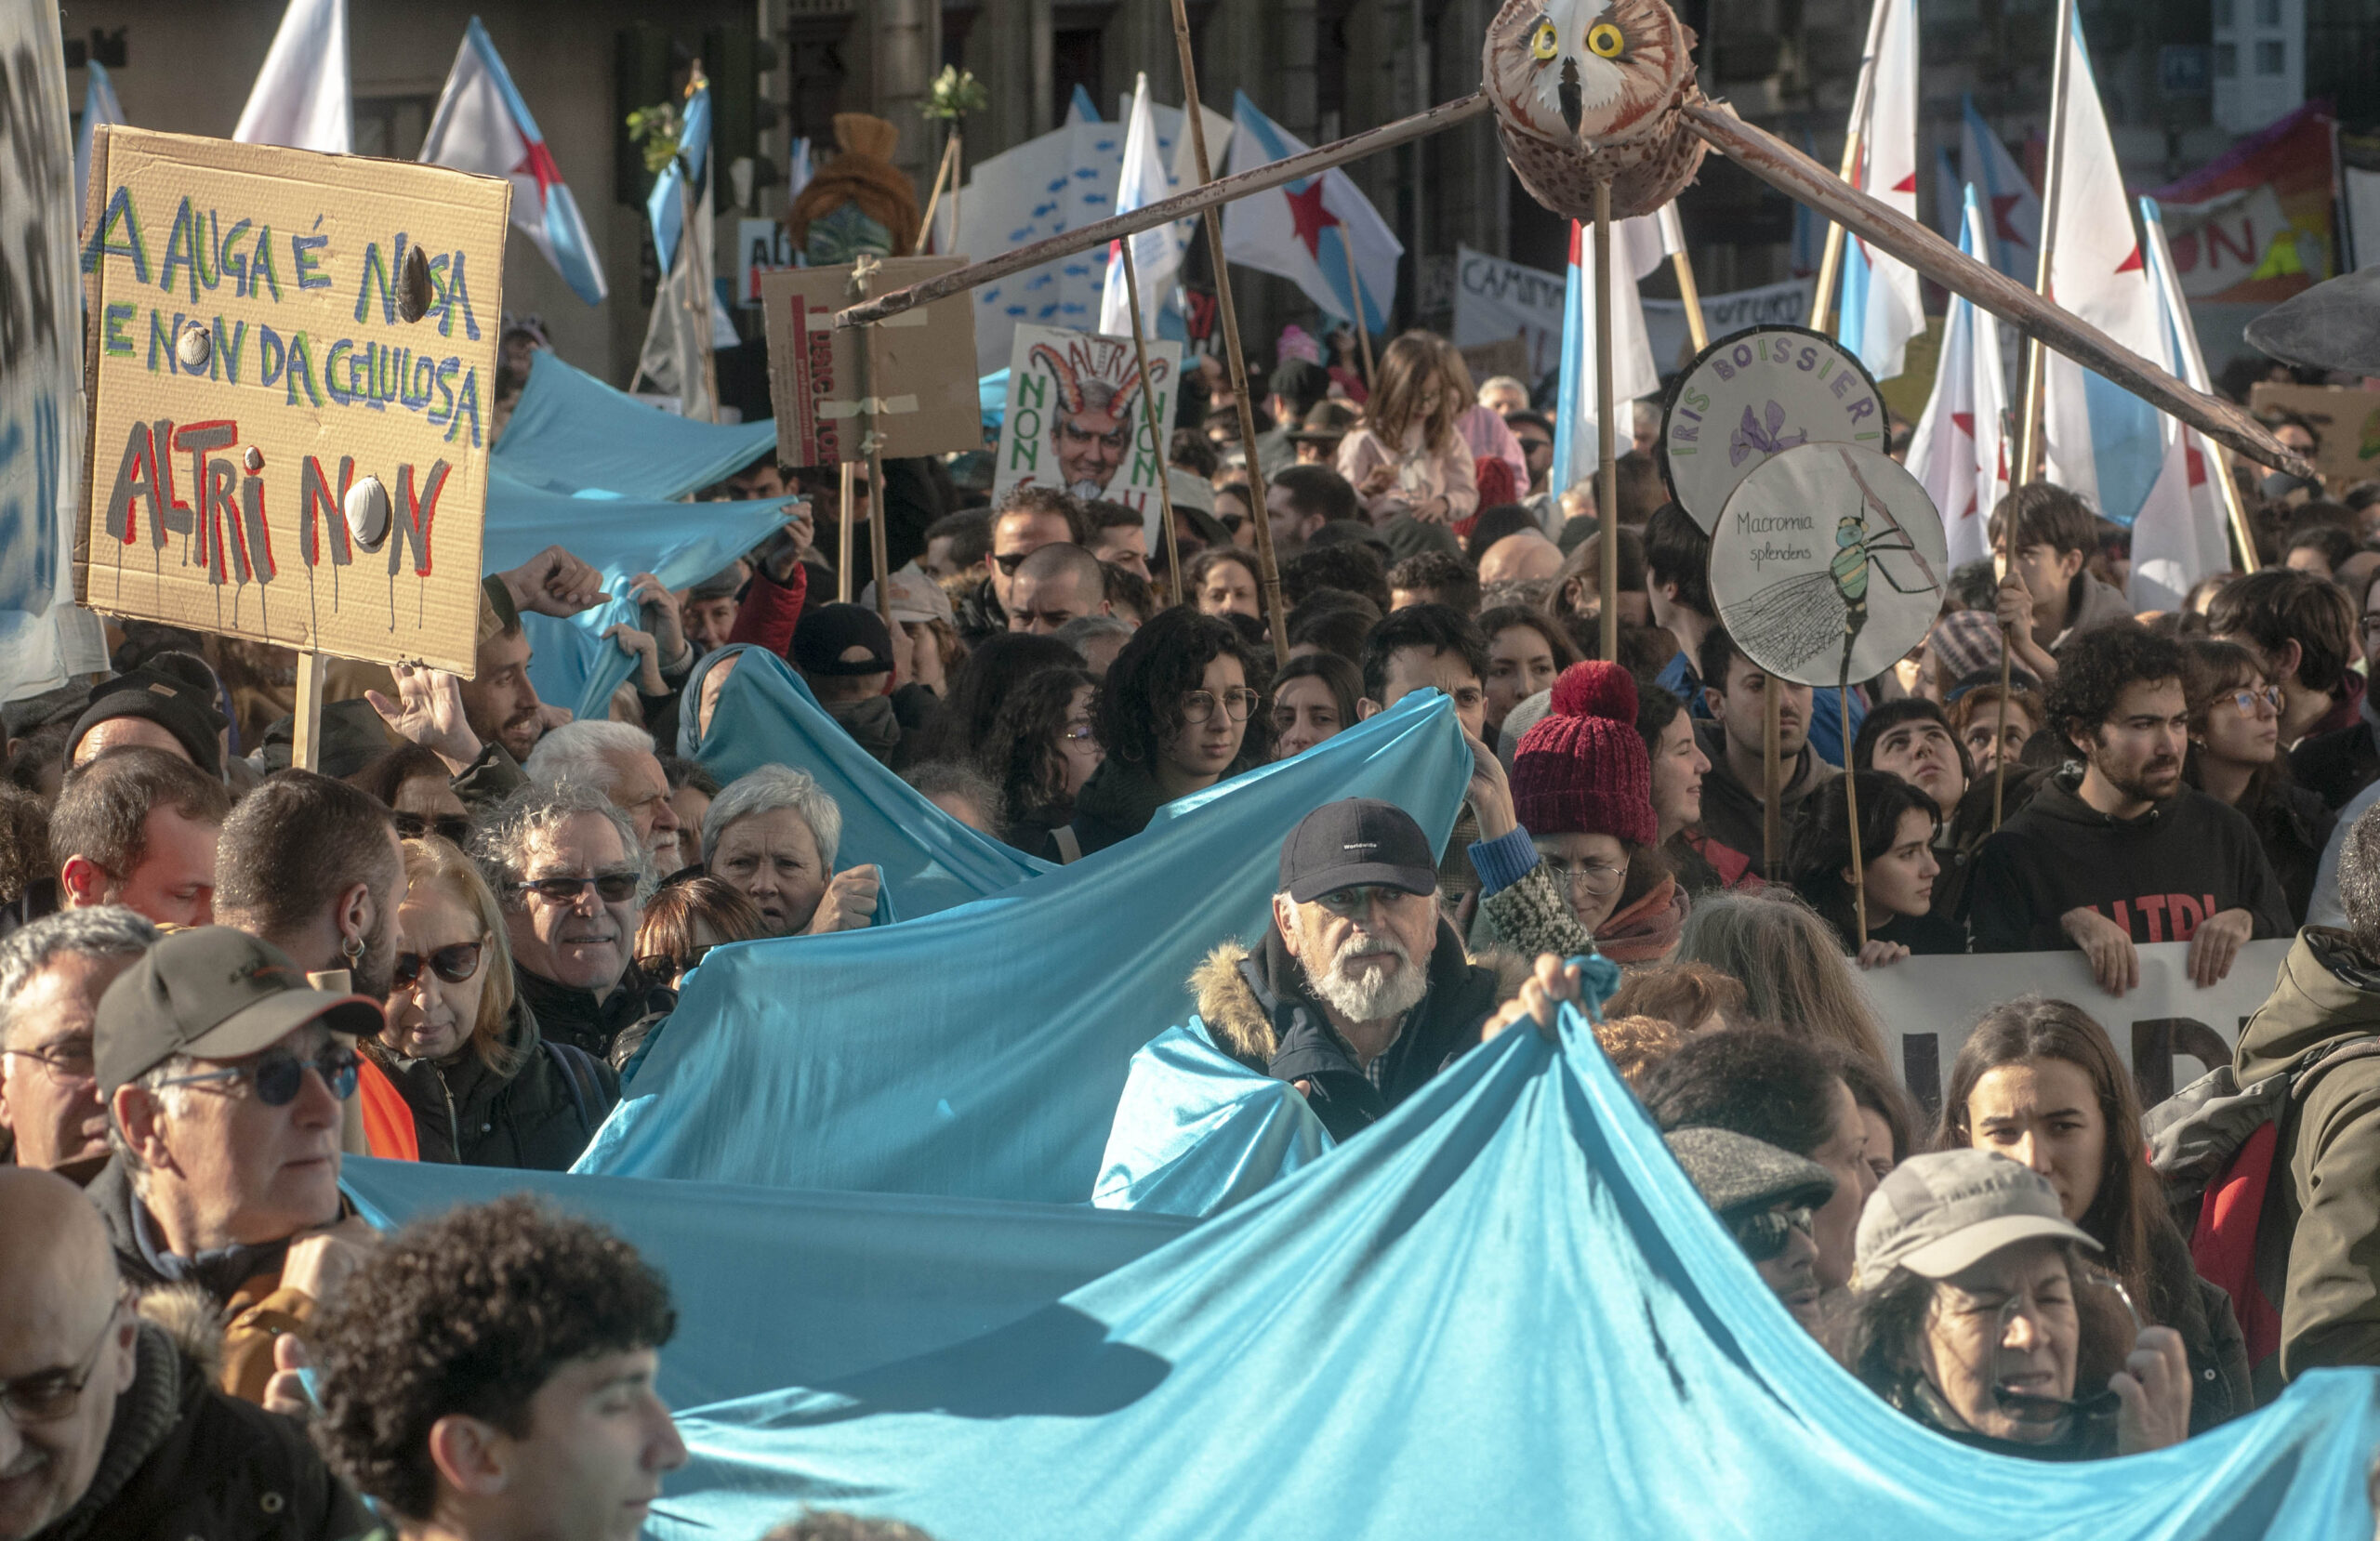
(1573, 99)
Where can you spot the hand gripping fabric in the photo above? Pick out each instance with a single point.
(981, 1051)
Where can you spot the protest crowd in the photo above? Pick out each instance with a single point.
(474, 932)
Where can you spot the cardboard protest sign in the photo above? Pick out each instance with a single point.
(277, 452)
(1075, 420)
(1499, 301)
(1754, 395)
(924, 384)
(2345, 418)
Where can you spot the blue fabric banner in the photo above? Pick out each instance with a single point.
(981, 1051)
(849, 1280)
(571, 433)
(679, 542)
(1502, 1310)
(766, 716)
(1197, 1131)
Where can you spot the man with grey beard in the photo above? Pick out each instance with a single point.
(1359, 992)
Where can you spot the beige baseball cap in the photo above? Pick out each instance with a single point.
(1940, 1214)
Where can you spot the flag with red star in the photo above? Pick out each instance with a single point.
(2012, 210)
(483, 124)
(1311, 232)
(1959, 451)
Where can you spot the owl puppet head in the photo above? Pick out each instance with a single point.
(1588, 89)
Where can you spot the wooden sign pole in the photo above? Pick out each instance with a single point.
(1157, 430)
(1606, 438)
(2000, 728)
(2052, 190)
(843, 549)
(306, 727)
(1772, 779)
(1851, 800)
(1268, 573)
(1862, 97)
(871, 444)
(1363, 327)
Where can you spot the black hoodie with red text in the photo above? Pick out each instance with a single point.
(2157, 875)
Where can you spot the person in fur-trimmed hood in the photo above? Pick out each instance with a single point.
(1358, 991)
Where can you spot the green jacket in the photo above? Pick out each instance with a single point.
(2330, 1309)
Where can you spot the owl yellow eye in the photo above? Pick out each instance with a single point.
(1604, 40)
(1542, 42)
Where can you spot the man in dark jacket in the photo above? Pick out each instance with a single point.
(110, 1431)
(2327, 1215)
(1736, 692)
(1358, 993)
(2124, 853)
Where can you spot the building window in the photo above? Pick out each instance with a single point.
(2268, 13)
(2223, 14)
(2226, 61)
(2271, 59)
(392, 128)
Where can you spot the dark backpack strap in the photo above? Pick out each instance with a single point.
(577, 1069)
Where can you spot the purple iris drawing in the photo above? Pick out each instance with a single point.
(1752, 436)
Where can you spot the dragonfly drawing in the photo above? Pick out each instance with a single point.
(1794, 620)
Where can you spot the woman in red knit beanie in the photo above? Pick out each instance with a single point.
(1583, 790)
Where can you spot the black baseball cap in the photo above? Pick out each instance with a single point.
(211, 993)
(826, 632)
(1358, 842)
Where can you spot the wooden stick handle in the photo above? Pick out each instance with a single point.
(1157, 430)
(1790, 171)
(1210, 195)
(1772, 779)
(1363, 327)
(1851, 799)
(1606, 438)
(306, 726)
(843, 548)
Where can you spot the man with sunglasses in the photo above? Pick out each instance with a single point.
(223, 1072)
(52, 974)
(1359, 992)
(1029, 519)
(1765, 1197)
(109, 1428)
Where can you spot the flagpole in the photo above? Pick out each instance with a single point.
(2053, 186)
(843, 546)
(1148, 410)
(1355, 287)
(1862, 98)
(1606, 447)
(1682, 264)
(1851, 797)
(1227, 317)
(941, 174)
(871, 444)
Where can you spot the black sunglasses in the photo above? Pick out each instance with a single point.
(278, 1075)
(450, 827)
(1763, 1236)
(663, 965)
(452, 964)
(612, 887)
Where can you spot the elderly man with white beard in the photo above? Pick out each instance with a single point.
(1358, 991)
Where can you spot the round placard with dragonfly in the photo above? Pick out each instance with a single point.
(1754, 395)
(1827, 564)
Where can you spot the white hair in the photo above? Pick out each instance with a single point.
(105, 931)
(771, 787)
(501, 839)
(1503, 382)
(574, 752)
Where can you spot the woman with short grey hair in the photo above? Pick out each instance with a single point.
(771, 835)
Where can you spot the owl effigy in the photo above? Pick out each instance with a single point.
(1588, 89)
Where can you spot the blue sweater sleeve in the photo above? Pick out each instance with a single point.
(1503, 861)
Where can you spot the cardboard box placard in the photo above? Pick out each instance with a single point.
(249, 364)
(1075, 419)
(2346, 418)
(924, 385)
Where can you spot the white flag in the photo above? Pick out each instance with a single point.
(1636, 251)
(2180, 535)
(1883, 305)
(1156, 254)
(2105, 445)
(300, 97)
(1959, 449)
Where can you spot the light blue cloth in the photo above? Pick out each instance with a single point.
(571, 433)
(991, 397)
(1502, 1311)
(766, 716)
(680, 543)
(1197, 1131)
(981, 1051)
(774, 1287)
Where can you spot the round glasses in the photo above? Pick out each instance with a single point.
(278, 1076)
(2246, 698)
(1199, 705)
(1599, 878)
(49, 1395)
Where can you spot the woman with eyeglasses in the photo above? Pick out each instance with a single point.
(2234, 757)
(1174, 718)
(1979, 1316)
(1042, 748)
(2039, 1082)
(686, 919)
(486, 1087)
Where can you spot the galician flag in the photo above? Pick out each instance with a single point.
(2012, 210)
(300, 97)
(1884, 305)
(482, 125)
(1157, 254)
(1303, 232)
(2105, 444)
(1960, 450)
(1637, 247)
(98, 106)
(2180, 535)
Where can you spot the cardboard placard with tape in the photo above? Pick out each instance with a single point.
(924, 368)
(1076, 419)
(2346, 418)
(289, 360)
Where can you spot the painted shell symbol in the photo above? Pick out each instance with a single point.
(1585, 89)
